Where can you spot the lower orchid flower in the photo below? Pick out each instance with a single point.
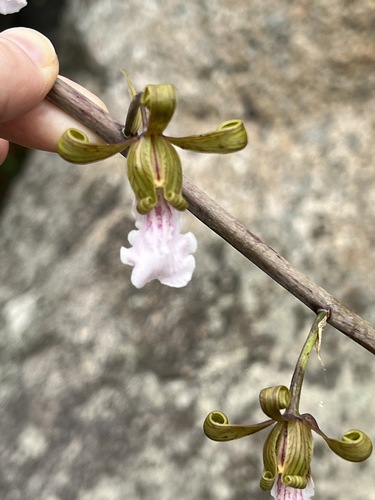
(288, 449)
(159, 251)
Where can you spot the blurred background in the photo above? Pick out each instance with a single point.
(104, 388)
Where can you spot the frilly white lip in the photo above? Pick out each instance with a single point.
(159, 251)
(282, 492)
(11, 6)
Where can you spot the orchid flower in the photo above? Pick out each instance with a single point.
(11, 6)
(288, 449)
(159, 250)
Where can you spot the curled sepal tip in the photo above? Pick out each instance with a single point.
(229, 137)
(74, 146)
(274, 399)
(217, 427)
(354, 446)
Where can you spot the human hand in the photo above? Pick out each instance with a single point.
(28, 69)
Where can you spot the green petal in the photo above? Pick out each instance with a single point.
(274, 399)
(74, 146)
(270, 465)
(217, 427)
(141, 178)
(229, 137)
(298, 450)
(160, 100)
(173, 177)
(154, 164)
(288, 451)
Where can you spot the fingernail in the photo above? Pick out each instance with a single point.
(36, 45)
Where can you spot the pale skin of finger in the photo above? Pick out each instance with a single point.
(28, 69)
(24, 81)
(42, 126)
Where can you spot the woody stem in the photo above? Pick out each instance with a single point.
(226, 226)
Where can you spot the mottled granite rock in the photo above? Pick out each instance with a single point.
(104, 388)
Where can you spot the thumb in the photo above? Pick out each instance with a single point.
(28, 70)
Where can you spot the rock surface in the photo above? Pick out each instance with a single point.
(104, 388)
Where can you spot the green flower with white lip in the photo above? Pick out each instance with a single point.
(158, 249)
(288, 449)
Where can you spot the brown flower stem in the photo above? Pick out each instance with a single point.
(226, 226)
(86, 112)
(313, 339)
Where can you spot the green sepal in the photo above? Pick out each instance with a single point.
(152, 164)
(161, 101)
(74, 146)
(229, 137)
(355, 445)
(274, 399)
(216, 426)
(298, 449)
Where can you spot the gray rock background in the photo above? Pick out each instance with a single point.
(103, 387)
